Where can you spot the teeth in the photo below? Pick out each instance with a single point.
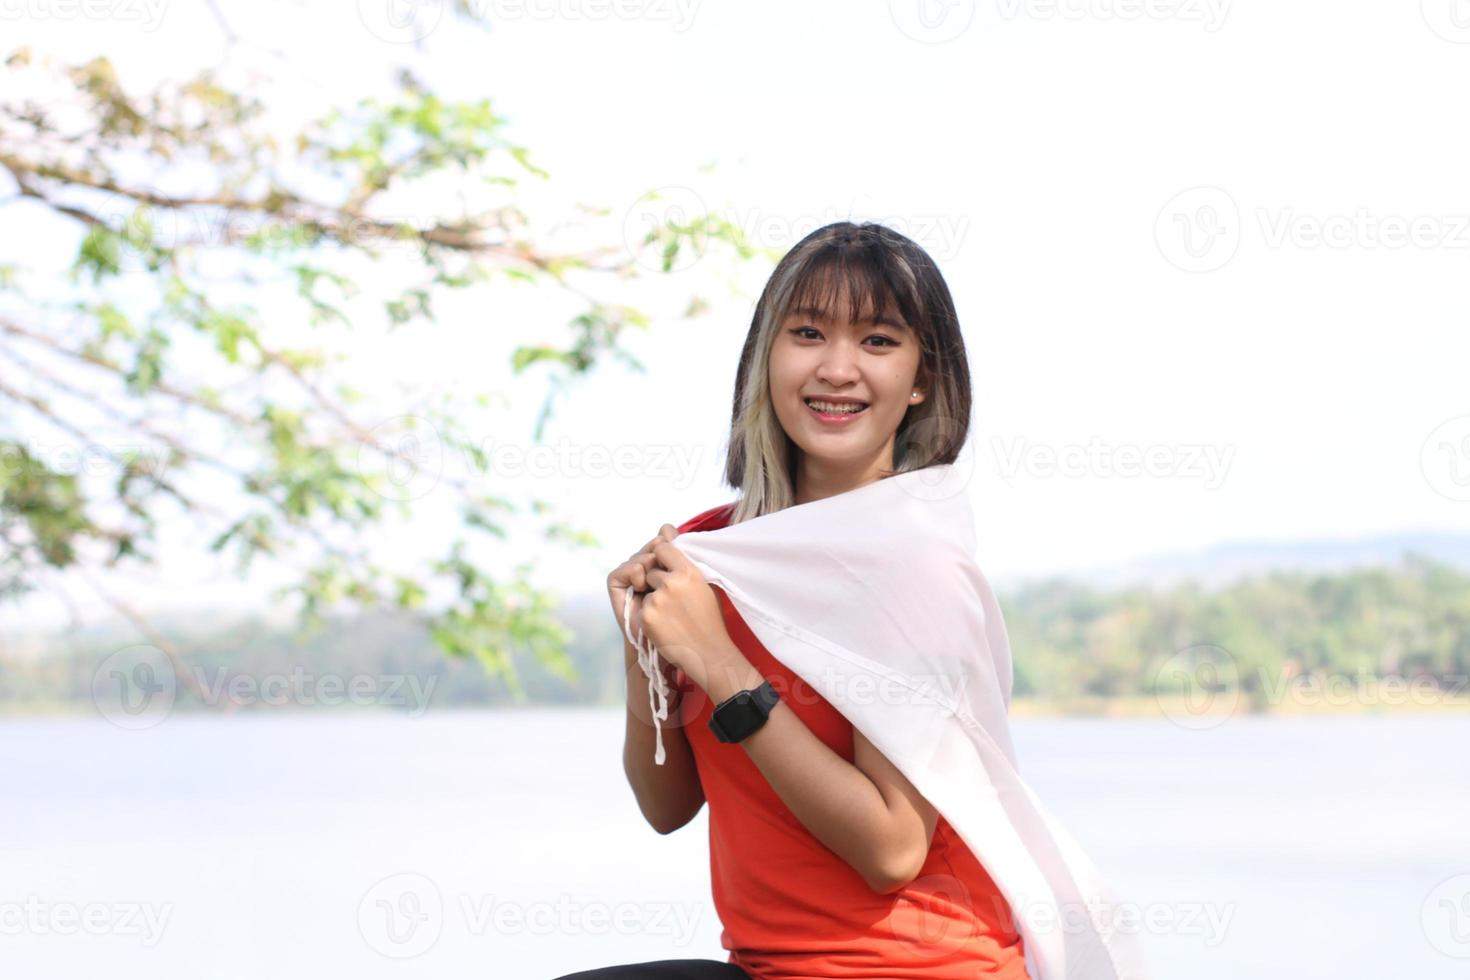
(833, 408)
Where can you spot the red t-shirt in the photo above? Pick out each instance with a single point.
(790, 907)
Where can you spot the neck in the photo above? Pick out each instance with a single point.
(820, 478)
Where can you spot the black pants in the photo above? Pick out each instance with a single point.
(664, 970)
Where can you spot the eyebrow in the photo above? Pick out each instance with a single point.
(813, 313)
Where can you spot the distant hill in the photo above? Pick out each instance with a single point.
(1224, 564)
(1096, 634)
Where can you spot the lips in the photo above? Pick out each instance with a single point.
(835, 418)
(842, 400)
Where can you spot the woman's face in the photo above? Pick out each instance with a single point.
(871, 362)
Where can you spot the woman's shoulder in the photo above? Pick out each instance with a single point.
(709, 520)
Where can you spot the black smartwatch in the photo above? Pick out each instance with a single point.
(743, 713)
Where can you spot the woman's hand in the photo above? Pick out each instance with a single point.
(682, 614)
(634, 572)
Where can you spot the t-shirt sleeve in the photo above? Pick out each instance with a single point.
(696, 520)
(716, 516)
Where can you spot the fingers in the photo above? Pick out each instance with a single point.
(666, 533)
(636, 570)
(633, 572)
(670, 557)
(643, 565)
(637, 576)
(668, 563)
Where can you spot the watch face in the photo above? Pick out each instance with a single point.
(737, 717)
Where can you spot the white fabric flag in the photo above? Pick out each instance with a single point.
(874, 598)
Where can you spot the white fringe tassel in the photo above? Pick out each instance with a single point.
(658, 685)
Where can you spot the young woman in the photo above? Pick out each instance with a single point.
(825, 861)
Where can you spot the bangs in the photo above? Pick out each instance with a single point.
(852, 283)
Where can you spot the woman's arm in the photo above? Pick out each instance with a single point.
(866, 812)
(669, 795)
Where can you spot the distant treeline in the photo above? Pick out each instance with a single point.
(1069, 641)
(1411, 622)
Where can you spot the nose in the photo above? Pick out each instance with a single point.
(838, 365)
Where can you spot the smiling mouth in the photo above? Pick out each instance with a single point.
(835, 410)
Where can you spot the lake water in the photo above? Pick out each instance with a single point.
(508, 845)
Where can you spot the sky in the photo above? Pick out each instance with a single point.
(1209, 257)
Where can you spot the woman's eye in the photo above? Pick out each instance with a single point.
(887, 341)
